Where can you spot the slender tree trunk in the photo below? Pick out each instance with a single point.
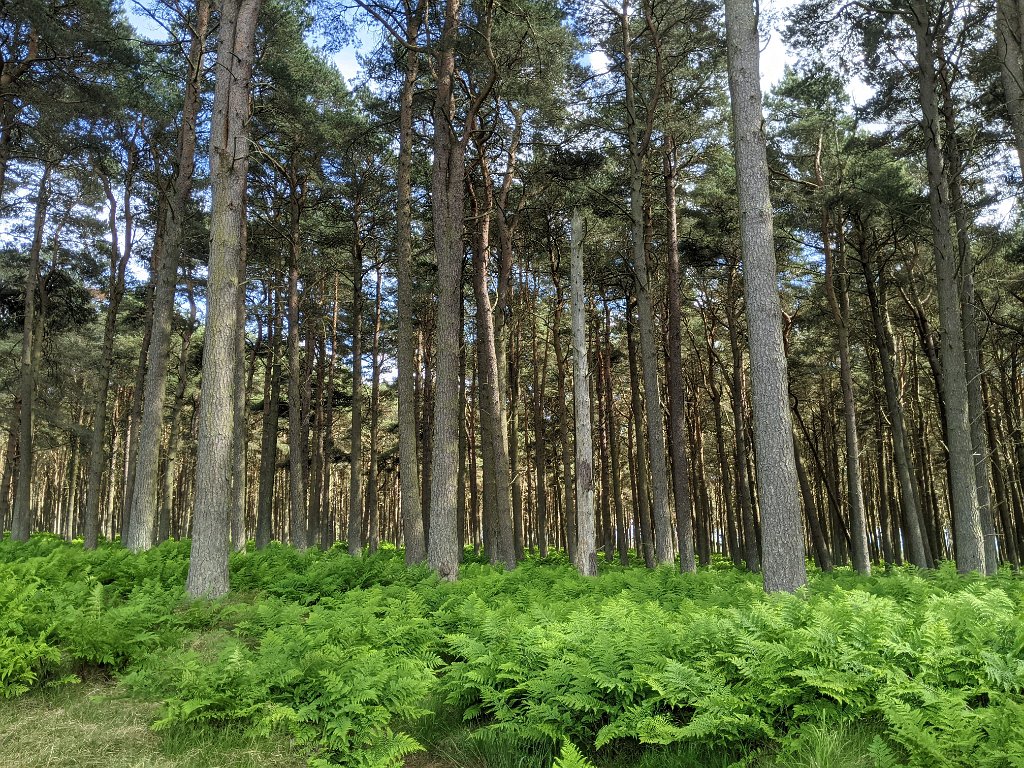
(166, 256)
(355, 506)
(21, 521)
(586, 551)
(909, 505)
(970, 548)
(236, 506)
(664, 548)
(412, 515)
(540, 443)
(676, 387)
(751, 554)
(297, 438)
(839, 301)
(327, 508)
(229, 155)
(641, 498)
(372, 502)
(497, 478)
(777, 485)
(271, 413)
(174, 439)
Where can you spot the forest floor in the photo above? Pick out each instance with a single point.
(364, 662)
(96, 724)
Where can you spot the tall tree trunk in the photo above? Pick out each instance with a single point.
(229, 156)
(676, 386)
(502, 544)
(839, 301)
(972, 351)
(447, 203)
(115, 290)
(777, 485)
(271, 413)
(909, 506)
(540, 441)
(355, 506)
(664, 549)
(372, 502)
(586, 551)
(751, 554)
(166, 257)
(240, 439)
(174, 439)
(970, 547)
(641, 498)
(412, 516)
(21, 519)
(1009, 27)
(297, 436)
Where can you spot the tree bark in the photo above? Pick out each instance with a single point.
(586, 551)
(676, 386)
(166, 257)
(777, 485)
(355, 506)
(21, 518)
(447, 204)
(412, 514)
(229, 155)
(970, 547)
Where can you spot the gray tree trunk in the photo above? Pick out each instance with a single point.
(447, 203)
(411, 510)
(229, 160)
(139, 533)
(970, 546)
(174, 439)
(676, 386)
(115, 291)
(501, 549)
(782, 538)
(271, 410)
(586, 549)
(372, 501)
(1009, 37)
(664, 547)
(909, 506)
(21, 515)
(297, 436)
(355, 488)
(839, 301)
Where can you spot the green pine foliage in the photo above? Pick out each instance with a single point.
(342, 654)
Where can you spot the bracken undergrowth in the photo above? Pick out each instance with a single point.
(345, 655)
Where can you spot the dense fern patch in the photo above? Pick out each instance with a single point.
(343, 653)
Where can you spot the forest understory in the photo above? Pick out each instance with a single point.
(335, 660)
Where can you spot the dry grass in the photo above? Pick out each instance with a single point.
(91, 725)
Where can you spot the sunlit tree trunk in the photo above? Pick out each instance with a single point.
(782, 539)
(229, 155)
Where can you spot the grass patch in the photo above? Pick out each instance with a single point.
(94, 725)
